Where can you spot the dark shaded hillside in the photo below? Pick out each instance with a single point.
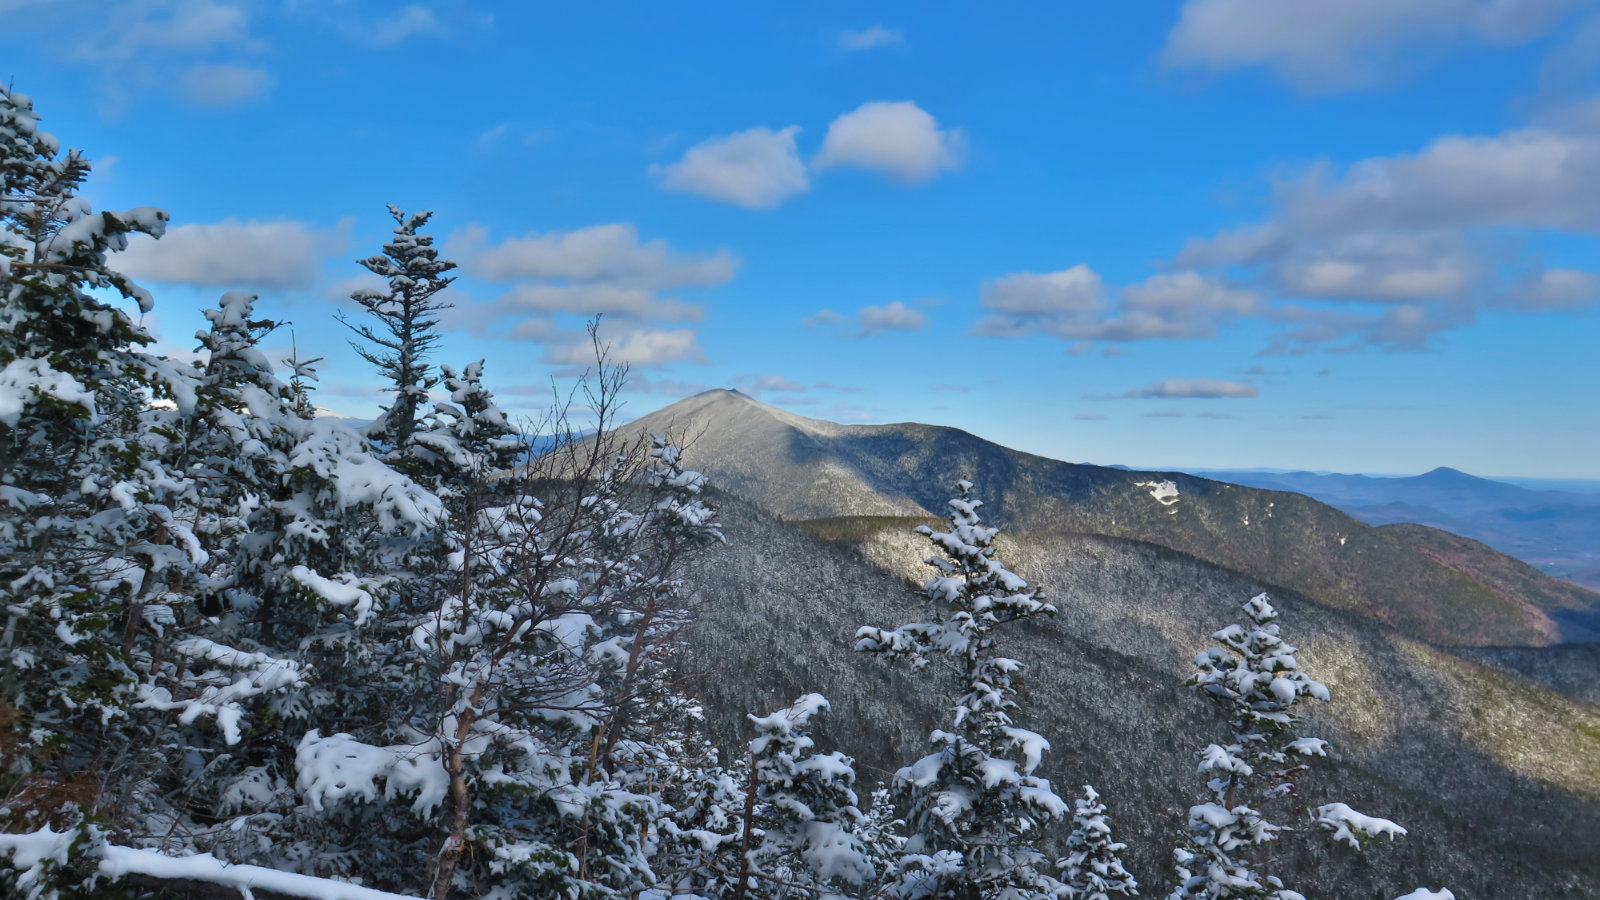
(808, 469)
(1498, 779)
(1572, 669)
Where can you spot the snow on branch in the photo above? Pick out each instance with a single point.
(1352, 827)
(123, 862)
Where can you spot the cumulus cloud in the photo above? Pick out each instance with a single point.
(868, 38)
(608, 254)
(1195, 388)
(232, 254)
(821, 318)
(756, 169)
(875, 320)
(1324, 46)
(403, 24)
(599, 299)
(869, 321)
(602, 271)
(142, 27)
(1434, 236)
(1074, 304)
(224, 84)
(633, 346)
(1072, 292)
(665, 387)
(1552, 289)
(756, 385)
(898, 139)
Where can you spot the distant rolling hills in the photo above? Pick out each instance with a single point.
(810, 469)
(1556, 531)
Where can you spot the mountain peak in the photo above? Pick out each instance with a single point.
(1445, 473)
(723, 408)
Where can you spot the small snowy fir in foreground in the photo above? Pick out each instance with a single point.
(975, 804)
(1256, 680)
(1092, 868)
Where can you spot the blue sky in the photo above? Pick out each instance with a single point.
(1331, 234)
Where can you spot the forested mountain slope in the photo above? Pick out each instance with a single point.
(1558, 531)
(802, 468)
(1498, 779)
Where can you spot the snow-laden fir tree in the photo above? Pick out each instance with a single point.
(1256, 681)
(397, 343)
(519, 764)
(1092, 868)
(975, 805)
(799, 825)
(82, 539)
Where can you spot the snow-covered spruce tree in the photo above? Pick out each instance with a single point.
(797, 830)
(81, 540)
(1256, 680)
(975, 804)
(399, 341)
(503, 758)
(1092, 868)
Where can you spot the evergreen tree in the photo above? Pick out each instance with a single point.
(84, 541)
(399, 342)
(1092, 868)
(799, 836)
(1256, 680)
(975, 803)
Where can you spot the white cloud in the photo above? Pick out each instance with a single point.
(231, 254)
(756, 169)
(896, 316)
(1183, 294)
(1196, 388)
(1531, 177)
(139, 28)
(870, 321)
(1322, 46)
(898, 139)
(640, 384)
(598, 299)
(868, 38)
(490, 138)
(1435, 236)
(224, 84)
(632, 346)
(1553, 289)
(1070, 291)
(407, 22)
(609, 254)
(758, 384)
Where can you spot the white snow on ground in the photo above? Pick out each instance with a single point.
(1165, 492)
(1425, 894)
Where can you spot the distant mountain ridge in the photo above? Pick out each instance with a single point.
(1556, 531)
(801, 468)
